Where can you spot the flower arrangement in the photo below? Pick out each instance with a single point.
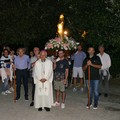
(58, 43)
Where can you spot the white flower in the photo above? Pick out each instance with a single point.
(67, 44)
(65, 48)
(75, 47)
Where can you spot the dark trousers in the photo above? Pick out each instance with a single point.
(33, 89)
(105, 80)
(22, 74)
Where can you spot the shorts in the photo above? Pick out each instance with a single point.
(59, 85)
(77, 71)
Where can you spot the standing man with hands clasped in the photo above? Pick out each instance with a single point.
(95, 64)
(22, 64)
(61, 75)
(43, 77)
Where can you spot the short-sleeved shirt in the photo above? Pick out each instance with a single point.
(94, 72)
(60, 70)
(78, 58)
(22, 62)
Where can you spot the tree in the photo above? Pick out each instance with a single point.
(30, 22)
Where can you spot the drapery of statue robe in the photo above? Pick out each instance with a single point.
(43, 91)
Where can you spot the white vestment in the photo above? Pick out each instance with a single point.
(43, 91)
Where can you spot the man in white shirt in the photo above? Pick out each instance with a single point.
(104, 71)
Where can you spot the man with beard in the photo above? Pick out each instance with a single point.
(94, 63)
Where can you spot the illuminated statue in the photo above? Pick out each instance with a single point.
(61, 26)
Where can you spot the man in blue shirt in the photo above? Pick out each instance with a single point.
(22, 64)
(78, 58)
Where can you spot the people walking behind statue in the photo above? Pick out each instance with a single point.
(22, 64)
(104, 71)
(95, 64)
(78, 58)
(43, 77)
(33, 60)
(61, 67)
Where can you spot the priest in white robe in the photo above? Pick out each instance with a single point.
(43, 77)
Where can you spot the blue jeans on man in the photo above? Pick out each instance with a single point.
(94, 89)
(5, 85)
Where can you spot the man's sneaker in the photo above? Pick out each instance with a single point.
(3, 93)
(95, 107)
(105, 95)
(100, 94)
(47, 109)
(17, 99)
(26, 99)
(74, 89)
(62, 105)
(88, 106)
(8, 92)
(40, 109)
(31, 104)
(56, 104)
(12, 89)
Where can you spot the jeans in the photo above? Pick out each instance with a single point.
(94, 89)
(19, 75)
(5, 85)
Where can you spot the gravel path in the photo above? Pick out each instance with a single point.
(109, 108)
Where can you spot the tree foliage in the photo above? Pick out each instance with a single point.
(31, 22)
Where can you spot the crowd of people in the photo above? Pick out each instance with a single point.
(58, 71)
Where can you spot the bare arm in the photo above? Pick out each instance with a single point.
(85, 67)
(54, 65)
(96, 66)
(66, 74)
